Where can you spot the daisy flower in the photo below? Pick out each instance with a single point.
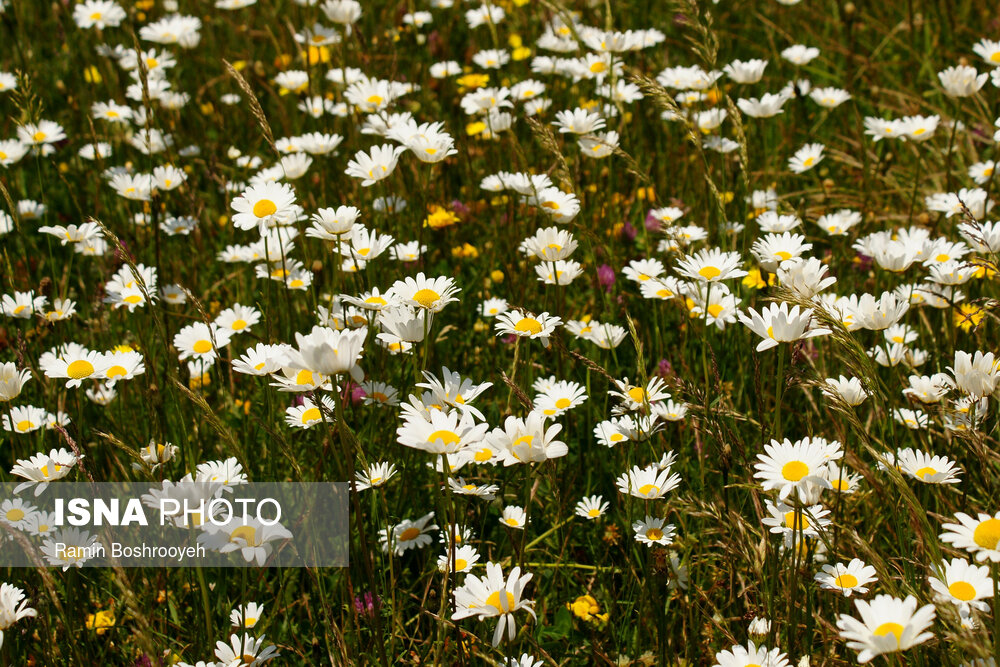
(962, 584)
(494, 596)
(788, 466)
(652, 532)
(648, 483)
(751, 654)
(261, 206)
(376, 165)
(806, 158)
(465, 558)
(514, 517)
(591, 507)
(408, 534)
(887, 625)
(777, 324)
(520, 324)
(246, 616)
(711, 265)
(978, 536)
(847, 579)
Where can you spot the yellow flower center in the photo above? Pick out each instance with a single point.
(783, 254)
(494, 601)
(310, 415)
(264, 208)
(709, 272)
(793, 471)
(890, 628)
(528, 325)
(409, 534)
(447, 437)
(846, 581)
(304, 377)
(202, 346)
(461, 564)
(962, 590)
(483, 455)
(116, 371)
(15, 514)
(512, 522)
(654, 534)
(594, 513)
(715, 309)
(796, 523)
(426, 297)
(649, 489)
(25, 425)
(563, 403)
(39, 136)
(133, 299)
(808, 162)
(239, 325)
(987, 534)
(79, 369)
(637, 394)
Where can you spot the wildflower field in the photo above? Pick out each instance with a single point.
(642, 332)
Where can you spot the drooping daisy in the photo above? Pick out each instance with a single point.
(376, 474)
(376, 165)
(40, 469)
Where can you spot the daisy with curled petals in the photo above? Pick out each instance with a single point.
(329, 352)
(591, 507)
(787, 520)
(847, 579)
(636, 397)
(520, 324)
(514, 517)
(976, 374)
(431, 294)
(441, 432)
(962, 584)
(927, 468)
(887, 625)
(262, 359)
(711, 265)
(41, 469)
(408, 534)
(454, 390)
(751, 654)
(461, 487)
(772, 249)
(376, 474)
(788, 466)
(12, 380)
(560, 206)
(493, 306)
(330, 224)
(849, 390)
(777, 324)
(527, 440)
(494, 596)
(649, 483)
(806, 158)
(651, 531)
(261, 206)
(549, 244)
(978, 536)
(372, 167)
(465, 557)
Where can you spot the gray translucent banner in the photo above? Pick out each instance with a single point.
(174, 524)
